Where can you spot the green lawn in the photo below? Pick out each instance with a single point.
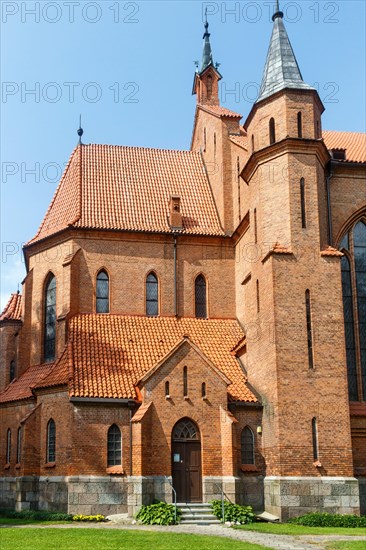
(292, 529)
(346, 545)
(108, 539)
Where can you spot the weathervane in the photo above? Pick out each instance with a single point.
(80, 130)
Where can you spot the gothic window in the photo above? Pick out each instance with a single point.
(200, 297)
(152, 295)
(302, 202)
(185, 429)
(203, 389)
(8, 446)
(114, 446)
(309, 329)
(314, 432)
(51, 441)
(272, 131)
(247, 446)
(49, 349)
(299, 124)
(102, 292)
(185, 381)
(252, 143)
(19, 445)
(12, 371)
(167, 389)
(353, 264)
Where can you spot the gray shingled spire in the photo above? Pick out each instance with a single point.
(281, 70)
(207, 59)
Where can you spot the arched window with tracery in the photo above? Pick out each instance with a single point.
(185, 429)
(114, 446)
(152, 295)
(353, 265)
(102, 292)
(200, 297)
(247, 446)
(49, 337)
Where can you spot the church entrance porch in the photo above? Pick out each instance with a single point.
(186, 461)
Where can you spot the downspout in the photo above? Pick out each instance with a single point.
(330, 228)
(175, 277)
(130, 407)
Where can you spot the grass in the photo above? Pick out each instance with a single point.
(108, 539)
(22, 521)
(296, 530)
(346, 545)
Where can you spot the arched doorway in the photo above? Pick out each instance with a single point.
(186, 461)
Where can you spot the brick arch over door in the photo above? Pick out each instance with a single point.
(186, 461)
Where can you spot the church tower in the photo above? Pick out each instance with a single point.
(290, 297)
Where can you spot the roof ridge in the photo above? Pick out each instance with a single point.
(140, 147)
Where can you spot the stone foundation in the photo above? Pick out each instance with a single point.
(362, 487)
(289, 497)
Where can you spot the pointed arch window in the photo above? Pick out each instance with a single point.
(49, 347)
(272, 131)
(152, 295)
(19, 445)
(51, 441)
(12, 371)
(114, 444)
(185, 429)
(247, 446)
(8, 446)
(200, 297)
(299, 124)
(353, 264)
(102, 292)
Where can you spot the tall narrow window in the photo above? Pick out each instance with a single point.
(247, 446)
(51, 441)
(204, 140)
(152, 295)
(114, 446)
(353, 245)
(299, 124)
(8, 446)
(258, 297)
(102, 293)
(200, 297)
(203, 389)
(185, 381)
(255, 226)
(359, 243)
(49, 349)
(12, 371)
(215, 145)
(209, 86)
(19, 445)
(167, 389)
(314, 430)
(302, 198)
(309, 329)
(272, 131)
(349, 328)
(252, 143)
(317, 129)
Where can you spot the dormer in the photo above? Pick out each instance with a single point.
(175, 218)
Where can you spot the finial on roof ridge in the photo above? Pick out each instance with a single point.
(80, 131)
(278, 13)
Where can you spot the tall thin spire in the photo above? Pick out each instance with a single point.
(281, 69)
(207, 51)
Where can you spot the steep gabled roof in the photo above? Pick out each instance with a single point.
(13, 309)
(353, 142)
(21, 388)
(129, 188)
(112, 353)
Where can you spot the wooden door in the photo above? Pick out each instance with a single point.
(186, 470)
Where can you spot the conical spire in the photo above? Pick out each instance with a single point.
(207, 52)
(281, 69)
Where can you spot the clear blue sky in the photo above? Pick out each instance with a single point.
(129, 68)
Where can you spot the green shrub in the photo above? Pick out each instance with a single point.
(158, 513)
(35, 515)
(233, 512)
(81, 517)
(318, 519)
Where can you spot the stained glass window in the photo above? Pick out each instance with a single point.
(102, 292)
(50, 320)
(114, 446)
(200, 297)
(152, 295)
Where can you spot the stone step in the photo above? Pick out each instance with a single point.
(198, 516)
(194, 505)
(196, 510)
(200, 522)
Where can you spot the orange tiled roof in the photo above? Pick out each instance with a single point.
(59, 374)
(111, 353)
(220, 111)
(21, 388)
(13, 309)
(242, 141)
(353, 142)
(129, 188)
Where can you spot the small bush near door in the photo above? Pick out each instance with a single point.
(234, 513)
(159, 513)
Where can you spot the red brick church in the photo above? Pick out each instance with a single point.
(196, 319)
